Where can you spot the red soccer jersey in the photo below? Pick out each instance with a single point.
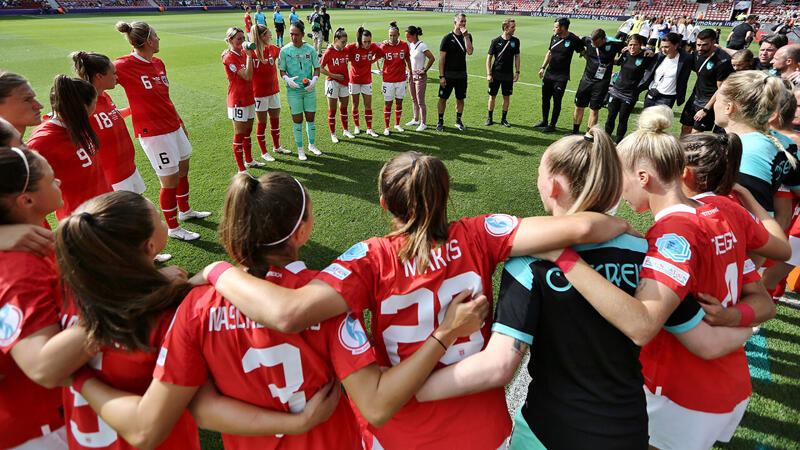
(265, 367)
(335, 61)
(692, 251)
(361, 62)
(81, 173)
(147, 88)
(407, 307)
(240, 91)
(248, 23)
(116, 148)
(265, 74)
(128, 371)
(394, 62)
(29, 300)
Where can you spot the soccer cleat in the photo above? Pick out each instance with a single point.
(347, 134)
(439, 127)
(505, 123)
(182, 234)
(255, 163)
(334, 139)
(162, 257)
(541, 124)
(301, 155)
(371, 133)
(356, 130)
(412, 122)
(243, 171)
(422, 127)
(549, 129)
(267, 157)
(313, 149)
(399, 128)
(386, 132)
(489, 122)
(460, 126)
(281, 150)
(192, 214)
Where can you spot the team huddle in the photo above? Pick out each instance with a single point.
(638, 340)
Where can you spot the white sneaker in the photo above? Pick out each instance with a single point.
(422, 127)
(460, 126)
(399, 128)
(371, 133)
(281, 150)
(254, 163)
(386, 132)
(162, 257)
(267, 157)
(412, 122)
(356, 130)
(301, 155)
(348, 134)
(313, 149)
(192, 214)
(182, 234)
(243, 171)
(334, 139)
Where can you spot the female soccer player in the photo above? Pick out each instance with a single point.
(299, 66)
(18, 102)
(362, 54)
(407, 279)
(277, 211)
(116, 148)
(697, 381)
(396, 60)
(334, 66)
(624, 93)
(266, 91)
(248, 21)
(68, 142)
(238, 64)
(157, 125)
(35, 355)
(418, 81)
(277, 19)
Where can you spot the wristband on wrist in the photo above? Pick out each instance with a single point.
(748, 315)
(440, 342)
(567, 259)
(81, 377)
(215, 273)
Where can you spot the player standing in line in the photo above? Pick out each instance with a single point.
(299, 67)
(407, 279)
(68, 142)
(116, 148)
(277, 209)
(248, 21)
(363, 53)
(505, 51)
(557, 63)
(158, 126)
(266, 91)
(396, 66)
(453, 51)
(277, 20)
(624, 93)
(334, 66)
(260, 17)
(18, 103)
(238, 65)
(418, 80)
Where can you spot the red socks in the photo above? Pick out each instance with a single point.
(182, 194)
(332, 120)
(343, 117)
(169, 206)
(355, 116)
(262, 142)
(248, 155)
(386, 114)
(368, 118)
(398, 111)
(275, 131)
(238, 139)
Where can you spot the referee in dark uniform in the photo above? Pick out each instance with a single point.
(555, 71)
(504, 72)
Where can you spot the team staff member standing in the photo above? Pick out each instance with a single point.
(625, 91)
(742, 35)
(668, 76)
(298, 62)
(555, 71)
(711, 70)
(453, 52)
(505, 50)
(277, 19)
(592, 90)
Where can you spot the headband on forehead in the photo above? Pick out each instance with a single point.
(299, 219)
(27, 167)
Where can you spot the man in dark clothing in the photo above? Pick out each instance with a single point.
(453, 51)
(767, 48)
(504, 71)
(668, 76)
(326, 25)
(625, 91)
(742, 34)
(712, 67)
(557, 62)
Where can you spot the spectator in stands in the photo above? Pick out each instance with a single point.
(767, 48)
(742, 60)
(18, 103)
(453, 52)
(668, 76)
(785, 27)
(557, 63)
(624, 93)
(742, 35)
(505, 69)
(786, 62)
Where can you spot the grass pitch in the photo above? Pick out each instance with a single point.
(493, 169)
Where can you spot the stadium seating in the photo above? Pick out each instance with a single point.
(21, 4)
(666, 8)
(719, 11)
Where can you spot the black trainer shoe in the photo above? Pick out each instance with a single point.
(505, 123)
(489, 122)
(439, 127)
(541, 124)
(549, 129)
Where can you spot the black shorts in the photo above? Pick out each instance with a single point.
(591, 93)
(684, 43)
(459, 84)
(507, 85)
(687, 117)
(279, 27)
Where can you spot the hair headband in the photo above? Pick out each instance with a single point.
(27, 167)
(299, 219)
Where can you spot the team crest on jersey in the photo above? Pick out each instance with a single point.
(567, 43)
(10, 324)
(513, 44)
(638, 62)
(608, 48)
(710, 65)
(500, 224)
(674, 247)
(337, 271)
(357, 251)
(232, 67)
(352, 335)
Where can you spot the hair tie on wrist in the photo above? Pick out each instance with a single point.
(748, 315)
(217, 271)
(588, 137)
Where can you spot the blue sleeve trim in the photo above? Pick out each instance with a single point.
(623, 241)
(519, 268)
(688, 325)
(511, 332)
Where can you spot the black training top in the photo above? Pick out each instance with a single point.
(455, 63)
(710, 69)
(739, 34)
(504, 52)
(631, 72)
(600, 57)
(561, 51)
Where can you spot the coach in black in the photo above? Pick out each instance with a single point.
(668, 76)
(504, 71)
(453, 51)
(712, 67)
(557, 62)
(600, 53)
(625, 91)
(742, 34)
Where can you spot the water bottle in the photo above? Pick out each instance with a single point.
(249, 45)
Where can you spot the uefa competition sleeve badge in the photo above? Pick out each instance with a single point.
(352, 335)
(10, 324)
(357, 251)
(674, 247)
(500, 224)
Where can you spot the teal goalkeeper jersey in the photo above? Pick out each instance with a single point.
(298, 62)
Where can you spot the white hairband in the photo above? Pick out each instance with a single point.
(299, 219)
(28, 168)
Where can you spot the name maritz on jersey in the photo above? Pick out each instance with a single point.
(440, 256)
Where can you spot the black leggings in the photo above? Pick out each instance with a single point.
(555, 90)
(624, 109)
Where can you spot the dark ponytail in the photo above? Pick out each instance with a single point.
(361, 33)
(13, 178)
(69, 99)
(714, 159)
(87, 65)
(414, 31)
(393, 26)
(340, 33)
